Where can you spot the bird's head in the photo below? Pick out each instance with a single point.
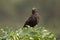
(34, 10)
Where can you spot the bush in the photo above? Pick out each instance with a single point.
(37, 33)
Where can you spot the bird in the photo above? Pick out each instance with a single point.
(33, 19)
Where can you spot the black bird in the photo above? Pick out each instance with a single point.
(33, 19)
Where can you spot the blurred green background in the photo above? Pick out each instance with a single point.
(13, 13)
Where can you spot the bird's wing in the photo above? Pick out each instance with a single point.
(29, 19)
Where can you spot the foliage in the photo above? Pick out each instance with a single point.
(36, 33)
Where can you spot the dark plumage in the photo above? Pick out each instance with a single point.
(33, 19)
